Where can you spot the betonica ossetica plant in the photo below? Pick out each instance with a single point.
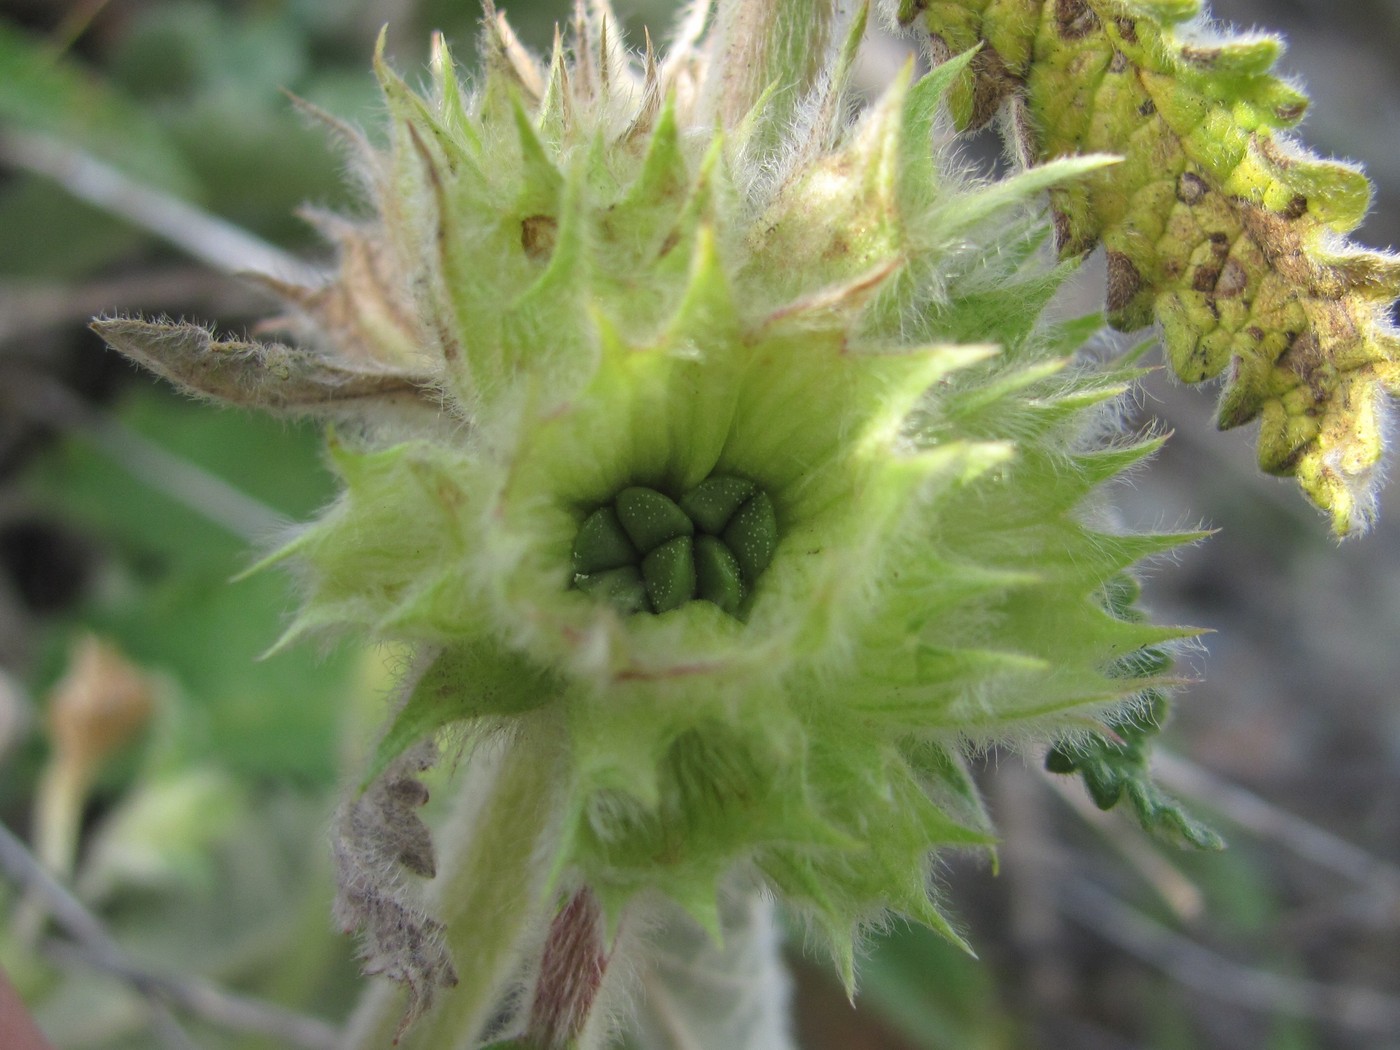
(705, 440)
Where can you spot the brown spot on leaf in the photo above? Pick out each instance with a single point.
(1068, 241)
(537, 236)
(1296, 208)
(1273, 152)
(1338, 326)
(992, 82)
(1203, 280)
(1291, 112)
(1287, 463)
(938, 49)
(1124, 281)
(1278, 239)
(1306, 359)
(1191, 188)
(1202, 57)
(1147, 108)
(1232, 281)
(1255, 332)
(1127, 29)
(1197, 365)
(1118, 63)
(451, 349)
(1074, 19)
(838, 248)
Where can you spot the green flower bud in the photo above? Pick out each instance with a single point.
(751, 480)
(712, 544)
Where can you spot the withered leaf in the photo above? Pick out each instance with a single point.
(270, 376)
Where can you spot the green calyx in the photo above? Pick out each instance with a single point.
(646, 551)
(782, 383)
(814, 425)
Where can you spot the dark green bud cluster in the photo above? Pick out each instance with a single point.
(646, 551)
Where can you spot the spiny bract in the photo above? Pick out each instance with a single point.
(603, 276)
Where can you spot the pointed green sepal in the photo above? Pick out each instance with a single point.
(718, 576)
(669, 574)
(460, 684)
(715, 500)
(651, 518)
(603, 543)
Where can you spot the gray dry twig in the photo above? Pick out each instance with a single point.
(1266, 820)
(1194, 966)
(45, 400)
(28, 309)
(93, 946)
(208, 238)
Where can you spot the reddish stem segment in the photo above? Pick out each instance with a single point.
(571, 972)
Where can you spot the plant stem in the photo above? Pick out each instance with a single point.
(779, 48)
(699, 992)
(490, 890)
(571, 972)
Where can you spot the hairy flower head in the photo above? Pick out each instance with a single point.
(724, 437)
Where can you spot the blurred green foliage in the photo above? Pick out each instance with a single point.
(166, 596)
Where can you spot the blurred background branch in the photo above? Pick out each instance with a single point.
(203, 237)
(92, 945)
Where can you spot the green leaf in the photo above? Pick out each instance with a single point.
(1114, 766)
(51, 236)
(468, 682)
(935, 993)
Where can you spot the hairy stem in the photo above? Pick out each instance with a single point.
(488, 893)
(571, 971)
(700, 992)
(783, 46)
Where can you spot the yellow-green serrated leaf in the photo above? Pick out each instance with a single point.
(1213, 226)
